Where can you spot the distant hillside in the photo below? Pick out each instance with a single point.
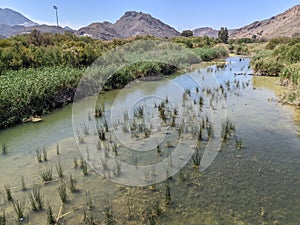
(137, 23)
(286, 24)
(13, 23)
(206, 31)
(45, 29)
(130, 24)
(11, 18)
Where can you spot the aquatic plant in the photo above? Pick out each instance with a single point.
(75, 161)
(108, 211)
(59, 169)
(3, 218)
(227, 128)
(8, 193)
(45, 157)
(23, 183)
(105, 125)
(84, 168)
(57, 148)
(139, 112)
(157, 208)
(62, 192)
(89, 200)
(19, 209)
(46, 174)
(129, 207)
(36, 199)
(196, 157)
(101, 133)
(99, 111)
(115, 148)
(117, 169)
(88, 218)
(39, 155)
(239, 143)
(72, 184)
(167, 194)
(50, 218)
(4, 148)
(151, 219)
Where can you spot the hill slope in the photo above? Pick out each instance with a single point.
(130, 24)
(11, 18)
(286, 24)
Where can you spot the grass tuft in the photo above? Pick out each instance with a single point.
(62, 191)
(46, 174)
(59, 169)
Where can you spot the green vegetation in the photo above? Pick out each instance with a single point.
(187, 33)
(39, 72)
(281, 57)
(223, 34)
(30, 92)
(207, 54)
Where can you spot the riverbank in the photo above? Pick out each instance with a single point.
(35, 92)
(281, 58)
(268, 157)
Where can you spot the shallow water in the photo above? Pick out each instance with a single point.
(257, 184)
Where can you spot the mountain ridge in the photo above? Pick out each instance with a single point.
(132, 23)
(12, 18)
(285, 24)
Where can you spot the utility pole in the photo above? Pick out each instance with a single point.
(55, 7)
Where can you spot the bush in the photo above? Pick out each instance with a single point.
(207, 54)
(291, 72)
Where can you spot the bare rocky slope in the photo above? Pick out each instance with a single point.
(12, 18)
(286, 24)
(13, 23)
(130, 24)
(137, 23)
(205, 31)
(208, 31)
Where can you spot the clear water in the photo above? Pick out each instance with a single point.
(258, 184)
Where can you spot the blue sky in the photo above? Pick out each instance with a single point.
(177, 13)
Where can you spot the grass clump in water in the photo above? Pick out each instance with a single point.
(72, 184)
(4, 148)
(19, 209)
(59, 169)
(62, 191)
(8, 193)
(3, 218)
(36, 199)
(50, 218)
(46, 174)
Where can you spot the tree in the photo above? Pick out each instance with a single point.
(223, 34)
(187, 33)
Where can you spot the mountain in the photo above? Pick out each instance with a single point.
(286, 24)
(137, 23)
(11, 18)
(13, 23)
(45, 29)
(130, 24)
(7, 31)
(205, 31)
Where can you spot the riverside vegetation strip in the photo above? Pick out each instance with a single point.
(281, 57)
(40, 72)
